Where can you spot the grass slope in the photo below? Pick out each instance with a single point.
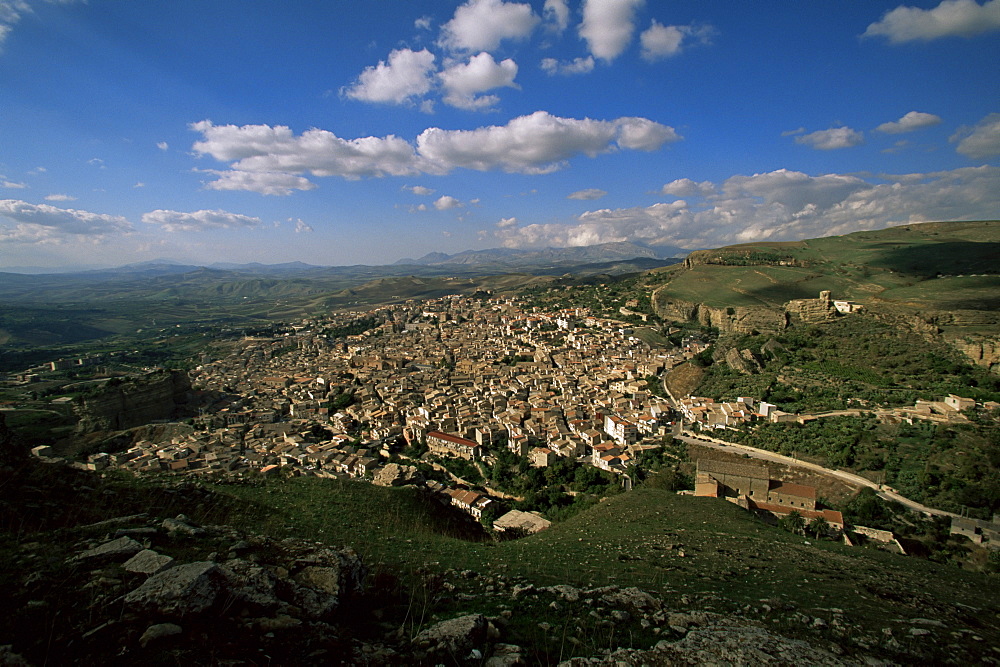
(907, 265)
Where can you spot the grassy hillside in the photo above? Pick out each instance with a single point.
(426, 563)
(907, 265)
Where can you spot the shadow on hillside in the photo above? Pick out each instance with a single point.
(779, 294)
(949, 258)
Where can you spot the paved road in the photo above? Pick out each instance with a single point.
(850, 478)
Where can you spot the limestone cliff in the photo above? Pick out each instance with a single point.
(981, 350)
(159, 395)
(741, 319)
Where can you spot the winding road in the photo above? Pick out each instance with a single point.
(882, 490)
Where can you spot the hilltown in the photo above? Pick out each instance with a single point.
(455, 377)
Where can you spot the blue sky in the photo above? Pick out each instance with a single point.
(343, 133)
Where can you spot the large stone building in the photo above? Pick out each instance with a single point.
(446, 444)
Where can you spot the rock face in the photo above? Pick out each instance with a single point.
(395, 474)
(981, 351)
(158, 395)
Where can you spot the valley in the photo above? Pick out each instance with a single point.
(270, 406)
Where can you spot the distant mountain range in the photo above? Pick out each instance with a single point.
(492, 259)
(604, 252)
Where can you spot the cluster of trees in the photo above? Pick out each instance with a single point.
(955, 467)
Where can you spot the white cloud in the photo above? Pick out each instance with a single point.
(140, 184)
(778, 206)
(539, 143)
(951, 18)
(273, 154)
(264, 183)
(162, 145)
(422, 23)
(446, 202)
(406, 75)
(979, 142)
(271, 160)
(835, 137)
(419, 190)
(58, 197)
(587, 195)
(11, 185)
(660, 41)
(507, 223)
(608, 25)
(480, 25)
(197, 221)
(914, 120)
(556, 14)
(302, 227)
(463, 81)
(41, 223)
(551, 66)
(685, 187)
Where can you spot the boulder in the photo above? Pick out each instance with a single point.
(182, 590)
(456, 636)
(114, 551)
(395, 474)
(148, 561)
(159, 631)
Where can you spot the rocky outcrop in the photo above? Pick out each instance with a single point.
(740, 319)
(983, 351)
(394, 474)
(812, 311)
(159, 395)
(742, 361)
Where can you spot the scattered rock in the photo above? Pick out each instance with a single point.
(456, 636)
(148, 562)
(114, 551)
(182, 590)
(159, 631)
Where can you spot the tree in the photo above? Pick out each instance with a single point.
(818, 527)
(793, 523)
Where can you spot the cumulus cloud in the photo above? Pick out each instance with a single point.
(480, 25)
(272, 160)
(463, 82)
(662, 41)
(608, 25)
(261, 182)
(951, 18)
(685, 187)
(777, 206)
(834, 138)
(301, 226)
(162, 145)
(587, 195)
(59, 197)
(446, 202)
(197, 221)
(422, 23)
(979, 142)
(913, 120)
(41, 223)
(419, 190)
(273, 155)
(539, 143)
(551, 66)
(407, 75)
(556, 14)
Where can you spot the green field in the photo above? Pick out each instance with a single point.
(906, 264)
